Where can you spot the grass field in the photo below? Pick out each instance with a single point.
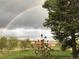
(15, 54)
(57, 54)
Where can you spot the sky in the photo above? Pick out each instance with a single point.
(23, 18)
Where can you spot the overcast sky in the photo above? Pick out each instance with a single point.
(23, 15)
(11, 8)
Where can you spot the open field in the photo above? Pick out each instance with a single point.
(57, 54)
(15, 54)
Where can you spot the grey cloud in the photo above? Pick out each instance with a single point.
(4, 3)
(10, 8)
(5, 18)
(33, 19)
(17, 6)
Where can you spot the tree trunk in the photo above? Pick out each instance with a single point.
(74, 49)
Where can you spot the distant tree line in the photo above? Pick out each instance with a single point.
(12, 42)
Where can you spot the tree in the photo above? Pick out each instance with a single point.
(63, 20)
(28, 43)
(3, 42)
(12, 42)
(25, 44)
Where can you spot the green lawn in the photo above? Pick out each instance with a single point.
(20, 54)
(16, 54)
(58, 54)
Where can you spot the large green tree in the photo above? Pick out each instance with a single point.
(63, 20)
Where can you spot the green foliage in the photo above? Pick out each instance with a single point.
(3, 42)
(12, 42)
(25, 44)
(63, 17)
(63, 20)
